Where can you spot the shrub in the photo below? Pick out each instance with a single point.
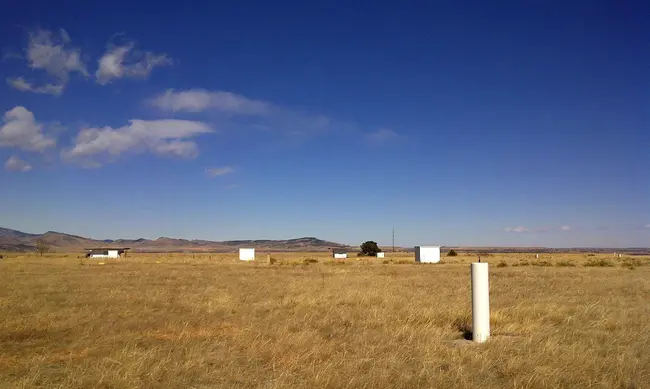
(565, 264)
(628, 265)
(541, 263)
(452, 253)
(502, 264)
(335, 263)
(307, 261)
(599, 263)
(632, 263)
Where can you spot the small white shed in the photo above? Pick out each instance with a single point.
(427, 254)
(106, 252)
(246, 254)
(380, 255)
(339, 253)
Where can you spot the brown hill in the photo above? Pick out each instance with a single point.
(13, 240)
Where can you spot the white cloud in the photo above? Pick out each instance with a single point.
(122, 61)
(647, 226)
(518, 229)
(199, 100)
(565, 228)
(236, 110)
(161, 137)
(22, 85)
(15, 164)
(53, 54)
(20, 129)
(231, 186)
(382, 135)
(46, 51)
(177, 148)
(219, 171)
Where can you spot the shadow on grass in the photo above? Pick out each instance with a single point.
(463, 325)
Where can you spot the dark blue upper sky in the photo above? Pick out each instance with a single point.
(473, 123)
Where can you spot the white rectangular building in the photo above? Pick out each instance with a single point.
(339, 253)
(427, 254)
(380, 255)
(106, 252)
(246, 254)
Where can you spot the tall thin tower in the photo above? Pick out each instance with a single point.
(393, 239)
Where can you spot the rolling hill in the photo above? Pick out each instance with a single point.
(13, 240)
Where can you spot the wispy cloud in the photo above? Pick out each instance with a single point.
(15, 164)
(24, 86)
(518, 229)
(522, 229)
(238, 109)
(646, 226)
(219, 171)
(123, 61)
(21, 130)
(199, 100)
(382, 135)
(94, 146)
(53, 54)
(231, 186)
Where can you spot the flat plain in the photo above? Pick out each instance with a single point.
(308, 321)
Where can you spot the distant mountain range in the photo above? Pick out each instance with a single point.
(13, 240)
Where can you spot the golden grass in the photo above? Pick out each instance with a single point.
(210, 321)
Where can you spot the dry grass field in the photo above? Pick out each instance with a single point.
(306, 321)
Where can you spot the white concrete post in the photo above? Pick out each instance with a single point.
(480, 302)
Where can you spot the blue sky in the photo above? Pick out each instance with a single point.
(456, 123)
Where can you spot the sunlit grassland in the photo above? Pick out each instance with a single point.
(308, 321)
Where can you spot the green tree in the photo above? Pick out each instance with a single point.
(370, 248)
